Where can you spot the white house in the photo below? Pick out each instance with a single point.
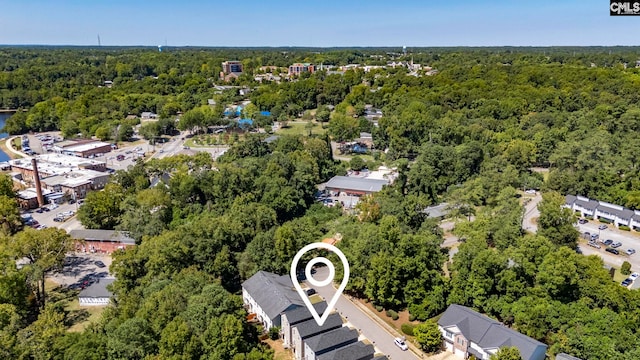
(96, 294)
(466, 332)
(616, 214)
(268, 295)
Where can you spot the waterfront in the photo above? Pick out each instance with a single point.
(3, 118)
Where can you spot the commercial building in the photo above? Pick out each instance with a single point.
(355, 185)
(231, 69)
(298, 68)
(105, 241)
(88, 149)
(64, 174)
(78, 183)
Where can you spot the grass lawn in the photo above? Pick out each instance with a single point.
(78, 318)
(300, 129)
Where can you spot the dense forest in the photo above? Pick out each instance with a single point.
(469, 135)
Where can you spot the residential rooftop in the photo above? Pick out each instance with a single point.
(274, 293)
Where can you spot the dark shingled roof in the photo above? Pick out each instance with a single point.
(309, 328)
(338, 337)
(587, 204)
(97, 290)
(488, 333)
(273, 293)
(570, 199)
(300, 314)
(357, 351)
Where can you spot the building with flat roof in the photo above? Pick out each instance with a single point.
(54, 164)
(77, 183)
(298, 68)
(88, 149)
(355, 185)
(65, 174)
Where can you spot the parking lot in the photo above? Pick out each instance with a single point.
(46, 217)
(629, 240)
(81, 270)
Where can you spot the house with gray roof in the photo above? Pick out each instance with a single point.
(295, 316)
(329, 341)
(355, 185)
(268, 295)
(96, 294)
(356, 351)
(467, 332)
(615, 214)
(309, 328)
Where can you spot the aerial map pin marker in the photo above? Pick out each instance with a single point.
(320, 319)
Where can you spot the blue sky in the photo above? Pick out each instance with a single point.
(315, 23)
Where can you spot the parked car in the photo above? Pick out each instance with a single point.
(583, 221)
(594, 244)
(46, 209)
(401, 344)
(602, 227)
(311, 291)
(612, 250)
(634, 276)
(626, 282)
(594, 237)
(100, 264)
(608, 242)
(616, 244)
(39, 210)
(630, 252)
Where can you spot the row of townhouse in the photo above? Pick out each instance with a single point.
(616, 214)
(273, 300)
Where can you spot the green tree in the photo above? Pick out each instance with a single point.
(428, 336)
(357, 163)
(125, 132)
(103, 133)
(10, 221)
(45, 250)
(507, 353)
(625, 269)
(556, 221)
(101, 209)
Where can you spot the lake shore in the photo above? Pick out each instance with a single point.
(6, 150)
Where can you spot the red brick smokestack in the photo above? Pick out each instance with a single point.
(36, 177)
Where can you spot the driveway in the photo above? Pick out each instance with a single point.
(531, 214)
(358, 318)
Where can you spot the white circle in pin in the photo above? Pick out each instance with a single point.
(318, 283)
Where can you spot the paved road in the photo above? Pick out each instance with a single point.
(531, 213)
(376, 333)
